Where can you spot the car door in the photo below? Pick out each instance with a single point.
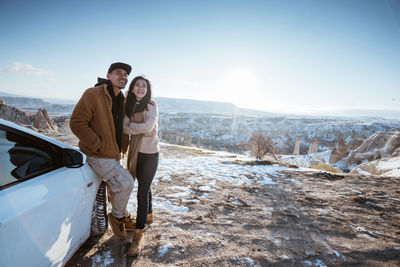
(41, 202)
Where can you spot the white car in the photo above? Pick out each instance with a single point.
(51, 201)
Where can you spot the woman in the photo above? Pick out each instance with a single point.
(140, 122)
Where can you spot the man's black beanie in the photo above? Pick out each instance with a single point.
(119, 65)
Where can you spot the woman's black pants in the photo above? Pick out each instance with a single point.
(146, 169)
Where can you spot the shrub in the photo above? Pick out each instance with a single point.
(261, 145)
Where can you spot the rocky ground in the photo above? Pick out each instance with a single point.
(216, 209)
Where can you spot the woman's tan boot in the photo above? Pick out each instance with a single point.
(137, 243)
(149, 218)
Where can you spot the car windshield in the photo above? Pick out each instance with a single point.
(20, 159)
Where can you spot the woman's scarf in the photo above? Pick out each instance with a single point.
(134, 144)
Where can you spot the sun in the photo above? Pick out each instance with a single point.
(241, 86)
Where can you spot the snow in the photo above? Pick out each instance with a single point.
(102, 259)
(267, 181)
(319, 263)
(237, 202)
(181, 188)
(360, 171)
(205, 188)
(338, 254)
(389, 164)
(164, 249)
(244, 261)
(203, 171)
(353, 190)
(395, 172)
(178, 195)
(228, 132)
(166, 205)
(308, 263)
(210, 168)
(385, 166)
(166, 178)
(305, 160)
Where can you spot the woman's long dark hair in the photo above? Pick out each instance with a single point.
(131, 105)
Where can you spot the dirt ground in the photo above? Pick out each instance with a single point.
(304, 218)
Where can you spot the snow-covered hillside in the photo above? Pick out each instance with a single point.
(223, 126)
(229, 133)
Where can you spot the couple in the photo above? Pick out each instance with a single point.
(106, 124)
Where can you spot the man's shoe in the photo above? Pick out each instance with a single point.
(130, 222)
(117, 226)
(137, 243)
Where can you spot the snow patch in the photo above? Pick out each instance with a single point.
(166, 205)
(177, 195)
(360, 171)
(267, 181)
(244, 261)
(320, 263)
(166, 178)
(102, 259)
(205, 188)
(179, 188)
(164, 249)
(338, 254)
(308, 263)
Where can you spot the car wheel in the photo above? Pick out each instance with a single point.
(99, 222)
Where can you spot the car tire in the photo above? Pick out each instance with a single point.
(99, 222)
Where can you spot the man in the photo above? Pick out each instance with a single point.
(97, 122)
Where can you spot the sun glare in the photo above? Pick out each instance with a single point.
(240, 86)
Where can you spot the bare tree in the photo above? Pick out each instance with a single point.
(261, 145)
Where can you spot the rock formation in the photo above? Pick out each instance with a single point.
(339, 151)
(64, 128)
(313, 146)
(15, 115)
(297, 147)
(43, 122)
(354, 143)
(385, 166)
(377, 146)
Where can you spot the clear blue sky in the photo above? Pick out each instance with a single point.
(269, 55)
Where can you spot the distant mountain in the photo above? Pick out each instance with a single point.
(60, 101)
(7, 94)
(180, 105)
(166, 105)
(370, 113)
(20, 99)
(23, 101)
(54, 106)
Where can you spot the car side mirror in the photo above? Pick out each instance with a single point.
(72, 158)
